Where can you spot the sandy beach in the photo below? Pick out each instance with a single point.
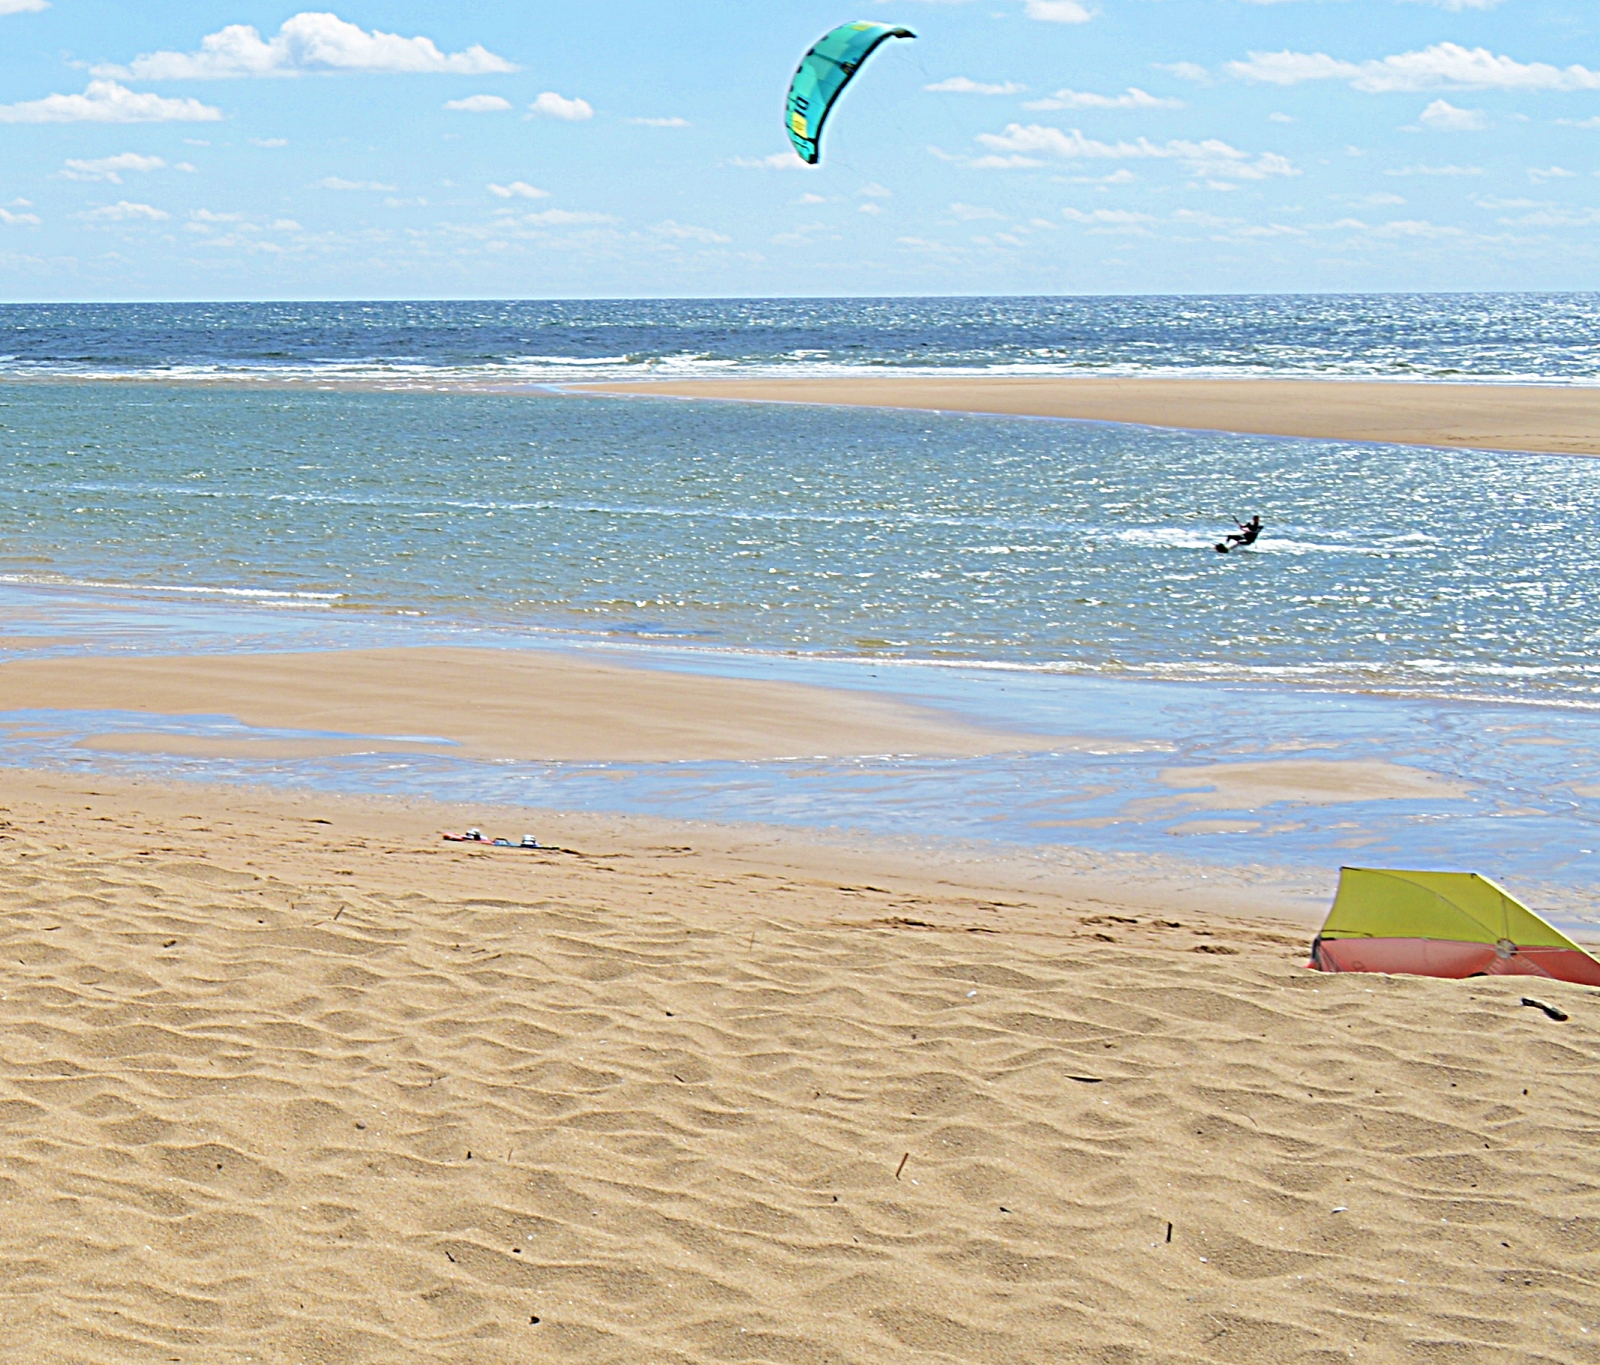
(1559, 421)
(290, 1079)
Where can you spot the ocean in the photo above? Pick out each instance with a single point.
(225, 477)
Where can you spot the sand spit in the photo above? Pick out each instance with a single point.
(285, 1080)
(485, 703)
(1557, 421)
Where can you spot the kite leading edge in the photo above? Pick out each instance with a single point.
(822, 76)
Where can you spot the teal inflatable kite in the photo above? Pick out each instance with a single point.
(823, 74)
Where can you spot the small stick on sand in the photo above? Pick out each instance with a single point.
(902, 1165)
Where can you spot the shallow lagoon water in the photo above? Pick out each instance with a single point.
(1432, 608)
(1530, 814)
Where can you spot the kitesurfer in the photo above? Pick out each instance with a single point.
(1248, 531)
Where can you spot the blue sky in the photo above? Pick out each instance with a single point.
(383, 149)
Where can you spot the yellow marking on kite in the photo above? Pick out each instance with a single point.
(797, 121)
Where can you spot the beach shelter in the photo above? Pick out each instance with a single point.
(1451, 924)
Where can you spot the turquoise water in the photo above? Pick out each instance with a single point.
(1436, 608)
(1060, 546)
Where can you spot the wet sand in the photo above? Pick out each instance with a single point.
(1561, 421)
(484, 703)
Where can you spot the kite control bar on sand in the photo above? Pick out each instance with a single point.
(822, 76)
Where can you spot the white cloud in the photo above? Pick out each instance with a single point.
(1189, 71)
(565, 218)
(110, 168)
(23, 6)
(875, 191)
(552, 105)
(1132, 98)
(1444, 66)
(1058, 11)
(108, 102)
(1281, 118)
(1444, 117)
(1381, 199)
(809, 198)
(778, 161)
(333, 182)
(1539, 175)
(518, 189)
(873, 209)
(265, 142)
(687, 233)
(1417, 228)
(662, 122)
(124, 212)
(1437, 170)
(9, 219)
(1121, 176)
(1212, 157)
(1111, 220)
(1554, 217)
(973, 213)
(965, 85)
(308, 42)
(207, 216)
(479, 104)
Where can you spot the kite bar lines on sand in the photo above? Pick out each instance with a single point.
(1450, 924)
(822, 76)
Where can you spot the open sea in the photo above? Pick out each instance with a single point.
(226, 477)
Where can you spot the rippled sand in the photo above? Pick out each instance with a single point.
(288, 1080)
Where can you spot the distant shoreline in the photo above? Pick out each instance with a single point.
(1514, 418)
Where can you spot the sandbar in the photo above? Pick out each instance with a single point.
(483, 703)
(1549, 420)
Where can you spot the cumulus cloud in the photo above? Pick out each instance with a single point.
(107, 102)
(124, 212)
(333, 182)
(1132, 98)
(552, 105)
(661, 122)
(1444, 66)
(965, 85)
(973, 213)
(110, 168)
(688, 233)
(1539, 174)
(1437, 170)
(308, 42)
(1444, 117)
(479, 104)
(23, 6)
(1211, 158)
(1058, 11)
(518, 189)
(266, 142)
(778, 161)
(566, 218)
(1111, 220)
(9, 219)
